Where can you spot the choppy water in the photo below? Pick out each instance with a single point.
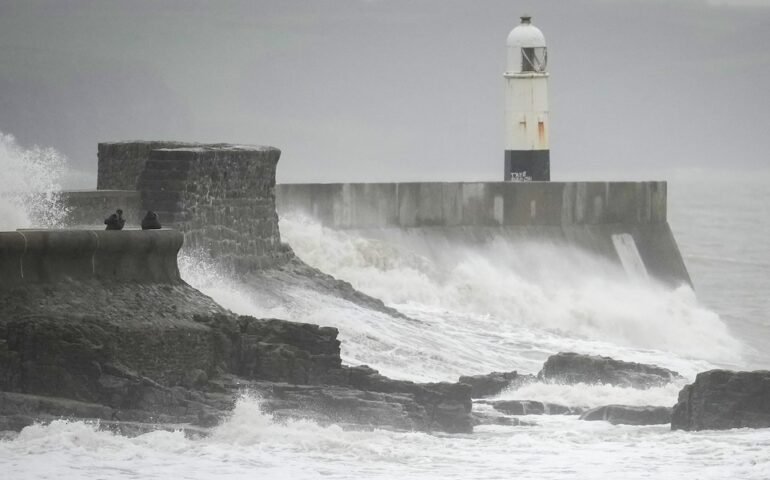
(504, 307)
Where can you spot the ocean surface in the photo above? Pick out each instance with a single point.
(507, 306)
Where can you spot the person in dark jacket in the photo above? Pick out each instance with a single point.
(150, 221)
(115, 221)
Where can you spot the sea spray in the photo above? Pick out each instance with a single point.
(518, 285)
(473, 311)
(590, 396)
(29, 185)
(202, 272)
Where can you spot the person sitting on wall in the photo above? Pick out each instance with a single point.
(115, 221)
(150, 221)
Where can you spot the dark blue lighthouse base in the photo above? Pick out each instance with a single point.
(527, 165)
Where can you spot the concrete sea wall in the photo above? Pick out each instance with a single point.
(622, 221)
(47, 256)
(405, 205)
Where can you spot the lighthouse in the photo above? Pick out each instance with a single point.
(527, 156)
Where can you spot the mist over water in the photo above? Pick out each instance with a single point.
(29, 185)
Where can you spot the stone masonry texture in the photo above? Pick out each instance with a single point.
(222, 198)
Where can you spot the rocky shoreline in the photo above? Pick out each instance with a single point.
(138, 357)
(169, 354)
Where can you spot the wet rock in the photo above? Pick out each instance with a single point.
(529, 407)
(629, 415)
(281, 351)
(328, 404)
(722, 399)
(14, 423)
(170, 375)
(194, 378)
(494, 383)
(447, 405)
(12, 403)
(573, 368)
(100, 344)
(479, 418)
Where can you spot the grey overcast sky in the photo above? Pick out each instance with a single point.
(383, 90)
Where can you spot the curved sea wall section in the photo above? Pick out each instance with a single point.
(39, 256)
(622, 221)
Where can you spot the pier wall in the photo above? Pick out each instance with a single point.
(406, 205)
(614, 220)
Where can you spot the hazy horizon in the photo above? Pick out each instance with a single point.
(389, 90)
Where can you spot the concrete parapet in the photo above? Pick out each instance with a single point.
(365, 205)
(35, 256)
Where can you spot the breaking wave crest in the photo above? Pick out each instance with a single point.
(515, 286)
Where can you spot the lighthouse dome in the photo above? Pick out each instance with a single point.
(527, 52)
(526, 35)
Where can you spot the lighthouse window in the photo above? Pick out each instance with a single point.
(533, 59)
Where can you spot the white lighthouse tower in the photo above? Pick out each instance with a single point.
(527, 155)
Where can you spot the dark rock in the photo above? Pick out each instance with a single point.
(15, 423)
(528, 407)
(629, 415)
(447, 405)
(722, 399)
(165, 369)
(494, 383)
(573, 368)
(479, 418)
(21, 404)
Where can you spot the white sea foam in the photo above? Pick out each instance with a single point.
(250, 444)
(29, 185)
(505, 308)
(200, 271)
(519, 285)
(590, 396)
